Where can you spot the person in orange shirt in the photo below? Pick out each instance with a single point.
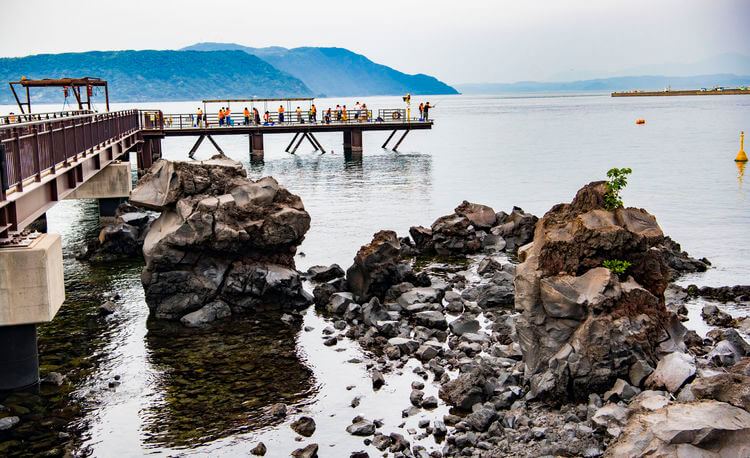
(199, 117)
(221, 116)
(228, 120)
(281, 114)
(247, 116)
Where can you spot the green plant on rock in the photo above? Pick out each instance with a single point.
(618, 179)
(616, 266)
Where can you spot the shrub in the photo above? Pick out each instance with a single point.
(616, 266)
(618, 179)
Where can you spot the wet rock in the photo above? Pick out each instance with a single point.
(468, 389)
(277, 410)
(372, 272)
(481, 419)
(705, 428)
(323, 292)
(338, 303)
(107, 308)
(406, 346)
(220, 237)
(53, 378)
(330, 341)
(724, 354)
(464, 324)
(377, 379)
(731, 388)
(430, 402)
(206, 314)
(323, 274)
(454, 235)
(259, 450)
(733, 337)
(639, 371)
(360, 454)
(431, 319)
(381, 441)
(419, 295)
(715, 317)
(311, 451)
(361, 428)
(8, 423)
(422, 237)
(304, 426)
(373, 311)
(416, 397)
(620, 390)
(516, 228)
(737, 293)
(426, 353)
(672, 372)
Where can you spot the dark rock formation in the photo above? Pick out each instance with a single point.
(581, 326)
(222, 241)
(737, 293)
(124, 237)
(517, 228)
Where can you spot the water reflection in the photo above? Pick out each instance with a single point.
(740, 173)
(220, 381)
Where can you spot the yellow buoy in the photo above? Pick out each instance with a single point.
(741, 156)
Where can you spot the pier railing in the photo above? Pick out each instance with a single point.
(34, 149)
(151, 119)
(31, 117)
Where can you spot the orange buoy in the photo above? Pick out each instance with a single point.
(640, 121)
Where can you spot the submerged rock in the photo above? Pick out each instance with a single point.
(221, 238)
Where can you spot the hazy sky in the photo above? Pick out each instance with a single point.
(457, 41)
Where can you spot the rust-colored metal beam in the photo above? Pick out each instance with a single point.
(216, 145)
(289, 146)
(310, 134)
(195, 147)
(395, 148)
(389, 138)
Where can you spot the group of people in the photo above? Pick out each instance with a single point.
(338, 114)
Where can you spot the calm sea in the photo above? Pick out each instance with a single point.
(528, 151)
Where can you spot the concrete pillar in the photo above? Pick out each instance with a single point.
(19, 360)
(353, 141)
(256, 146)
(32, 289)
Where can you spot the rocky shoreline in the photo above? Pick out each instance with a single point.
(538, 348)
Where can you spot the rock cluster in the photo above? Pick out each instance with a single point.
(581, 326)
(124, 237)
(223, 243)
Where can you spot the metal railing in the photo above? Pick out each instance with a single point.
(156, 120)
(33, 149)
(31, 117)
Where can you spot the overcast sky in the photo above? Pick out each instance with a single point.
(456, 41)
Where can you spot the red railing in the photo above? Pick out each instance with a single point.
(35, 148)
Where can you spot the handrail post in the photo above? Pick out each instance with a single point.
(37, 160)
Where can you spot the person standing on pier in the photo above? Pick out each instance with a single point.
(257, 116)
(357, 109)
(421, 111)
(344, 116)
(281, 114)
(227, 117)
(338, 112)
(221, 116)
(299, 115)
(199, 117)
(426, 110)
(314, 113)
(266, 118)
(365, 114)
(247, 116)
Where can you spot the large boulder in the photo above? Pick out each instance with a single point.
(704, 428)
(581, 326)
(516, 228)
(220, 237)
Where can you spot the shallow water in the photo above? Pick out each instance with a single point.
(198, 392)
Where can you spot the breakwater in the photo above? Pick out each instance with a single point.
(686, 92)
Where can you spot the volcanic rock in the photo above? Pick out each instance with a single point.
(220, 237)
(581, 326)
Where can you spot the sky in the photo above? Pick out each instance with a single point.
(456, 41)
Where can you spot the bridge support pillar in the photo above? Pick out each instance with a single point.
(256, 146)
(19, 360)
(148, 152)
(32, 290)
(353, 141)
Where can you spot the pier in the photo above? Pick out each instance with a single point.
(736, 91)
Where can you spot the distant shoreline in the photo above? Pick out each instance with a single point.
(683, 92)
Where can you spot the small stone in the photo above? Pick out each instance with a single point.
(304, 426)
(377, 379)
(8, 422)
(107, 308)
(311, 451)
(259, 449)
(430, 402)
(417, 385)
(355, 402)
(416, 397)
(54, 378)
(278, 410)
(361, 428)
(330, 341)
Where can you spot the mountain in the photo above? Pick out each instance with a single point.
(620, 83)
(140, 76)
(338, 71)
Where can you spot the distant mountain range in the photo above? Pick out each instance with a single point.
(337, 71)
(143, 76)
(620, 83)
(217, 70)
